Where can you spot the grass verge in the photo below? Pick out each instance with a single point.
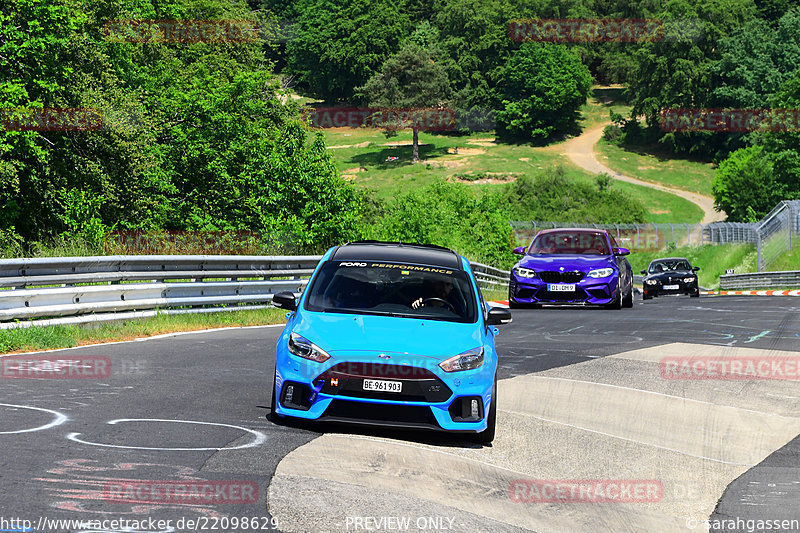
(788, 261)
(53, 337)
(658, 167)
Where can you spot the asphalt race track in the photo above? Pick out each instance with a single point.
(583, 402)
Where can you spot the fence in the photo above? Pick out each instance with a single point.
(68, 286)
(773, 235)
(775, 232)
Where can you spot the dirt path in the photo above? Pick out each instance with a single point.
(580, 150)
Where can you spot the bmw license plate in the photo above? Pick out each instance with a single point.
(561, 287)
(379, 385)
(671, 287)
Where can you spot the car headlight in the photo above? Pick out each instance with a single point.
(688, 280)
(524, 272)
(302, 347)
(600, 273)
(651, 282)
(468, 360)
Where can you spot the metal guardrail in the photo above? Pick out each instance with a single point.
(760, 280)
(69, 286)
(488, 275)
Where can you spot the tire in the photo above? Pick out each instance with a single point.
(274, 417)
(695, 294)
(511, 303)
(645, 297)
(627, 301)
(617, 302)
(487, 435)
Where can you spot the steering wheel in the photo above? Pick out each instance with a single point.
(442, 301)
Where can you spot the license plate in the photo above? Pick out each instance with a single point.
(671, 287)
(561, 287)
(379, 385)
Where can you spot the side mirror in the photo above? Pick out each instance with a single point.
(498, 316)
(285, 300)
(621, 251)
(695, 269)
(520, 250)
(643, 272)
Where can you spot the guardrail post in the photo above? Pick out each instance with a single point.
(758, 251)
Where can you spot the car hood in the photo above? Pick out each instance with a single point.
(582, 263)
(339, 334)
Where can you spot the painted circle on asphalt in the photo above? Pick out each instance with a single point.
(258, 437)
(58, 419)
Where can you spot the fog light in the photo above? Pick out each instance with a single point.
(289, 393)
(467, 409)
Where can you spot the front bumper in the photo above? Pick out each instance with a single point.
(430, 399)
(659, 290)
(592, 291)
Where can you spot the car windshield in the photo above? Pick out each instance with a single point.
(584, 242)
(393, 289)
(668, 266)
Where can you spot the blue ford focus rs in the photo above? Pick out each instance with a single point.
(390, 334)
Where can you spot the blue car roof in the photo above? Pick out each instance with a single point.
(420, 254)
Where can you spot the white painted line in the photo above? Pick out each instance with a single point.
(57, 420)
(260, 438)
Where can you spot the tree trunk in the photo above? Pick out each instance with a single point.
(415, 157)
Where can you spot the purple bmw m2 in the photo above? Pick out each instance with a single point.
(571, 266)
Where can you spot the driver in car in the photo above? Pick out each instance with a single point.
(440, 296)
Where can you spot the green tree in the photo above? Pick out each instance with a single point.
(676, 71)
(475, 43)
(783, 147)
(744, 185)
(339, 44)
(412, 78)
(450, 214)
(194, 136)
(755, 61)
(542, 86)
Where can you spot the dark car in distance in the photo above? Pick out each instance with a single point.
(670, 275)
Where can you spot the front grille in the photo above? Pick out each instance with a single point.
(406, 415)
(419, 384)
(561, 277)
